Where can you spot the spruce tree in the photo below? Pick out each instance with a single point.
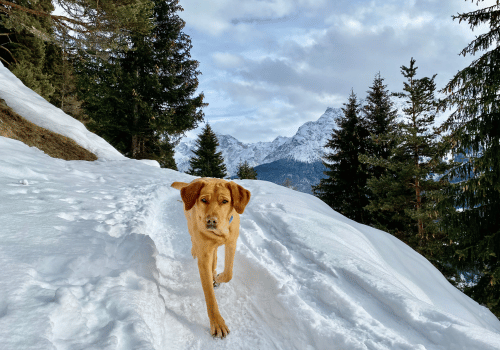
(474, 200)
(142, 100)
(207, 162)
(379, 117)
(344, 188)
(245, 171)
(408, 190)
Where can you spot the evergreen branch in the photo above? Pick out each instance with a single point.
(482, 42)
(58, 19)
(472, 83)
(475, 18)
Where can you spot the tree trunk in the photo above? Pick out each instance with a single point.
(135, 146)
(419, 206)
(418, 194)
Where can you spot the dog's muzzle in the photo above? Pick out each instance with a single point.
(211, 223)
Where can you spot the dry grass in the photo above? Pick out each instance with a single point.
(13, 126)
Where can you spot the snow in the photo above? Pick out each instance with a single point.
(96, 255)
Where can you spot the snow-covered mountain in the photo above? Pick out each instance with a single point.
(96, 255)
(233, 151)
(305, 146)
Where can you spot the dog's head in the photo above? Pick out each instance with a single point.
(214, 202)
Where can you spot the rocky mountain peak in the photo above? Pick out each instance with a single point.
(305, 146)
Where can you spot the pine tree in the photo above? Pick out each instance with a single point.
(407, 191)
(142, 100)
(207, 162)
(380, 120)
(344, 187)
(474, 225)
(245, 171)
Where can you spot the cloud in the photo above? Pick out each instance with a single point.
(219, 17)
(268, 66)
(226, 60)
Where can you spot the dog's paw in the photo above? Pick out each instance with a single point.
(216, 285)
(222, 278)
(218, 327)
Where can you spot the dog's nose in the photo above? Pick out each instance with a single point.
(212, 221)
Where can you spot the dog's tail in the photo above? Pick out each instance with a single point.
(178, 185)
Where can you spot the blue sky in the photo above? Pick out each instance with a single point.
(268, 66)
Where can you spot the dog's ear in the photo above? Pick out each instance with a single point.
(190, 194)
(178, 185)
(239, 195)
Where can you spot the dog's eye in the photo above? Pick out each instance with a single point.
(204, 200)
(224, 201)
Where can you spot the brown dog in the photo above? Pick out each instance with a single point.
(212, 208)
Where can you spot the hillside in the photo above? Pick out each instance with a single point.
(301, 174)
(38, 111)
(13, 126)
(96, 255)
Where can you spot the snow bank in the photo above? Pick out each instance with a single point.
(37, 110)
(96, 255)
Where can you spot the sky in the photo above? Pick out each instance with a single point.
(268, 66)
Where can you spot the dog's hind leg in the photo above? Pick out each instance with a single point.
(214, 268)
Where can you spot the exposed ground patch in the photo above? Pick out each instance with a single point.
(13, 126)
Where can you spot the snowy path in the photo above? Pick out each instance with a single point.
(97, 256)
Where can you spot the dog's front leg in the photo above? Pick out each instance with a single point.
(227, 275)
(218, 327)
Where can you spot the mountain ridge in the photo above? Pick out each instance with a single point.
(305, 146)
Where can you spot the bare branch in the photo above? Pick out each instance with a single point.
(10, 53)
